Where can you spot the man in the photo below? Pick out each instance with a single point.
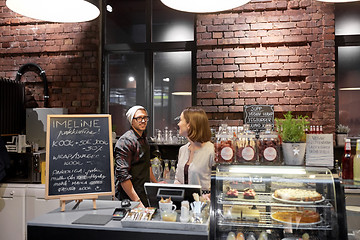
(132, 159)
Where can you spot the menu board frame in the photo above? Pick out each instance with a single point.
(93, 145)
(254, 116)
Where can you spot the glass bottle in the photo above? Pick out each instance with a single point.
(166, 173)
(159, 138)
(224, 148)
(347, 163)
(156, 168)
(337, 168)
(166, 135)
(171, 137)
(356, 161)
(269, 147)
(172, 169)
(246, 146)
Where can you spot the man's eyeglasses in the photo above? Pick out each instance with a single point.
(142, 119)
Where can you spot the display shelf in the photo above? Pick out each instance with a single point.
(349, 183)
(232, 212)
(266, 221)
(266, 199)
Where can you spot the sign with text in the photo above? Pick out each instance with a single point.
(257, 116)
(319, 150)
(79, 156)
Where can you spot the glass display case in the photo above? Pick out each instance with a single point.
(276, 202)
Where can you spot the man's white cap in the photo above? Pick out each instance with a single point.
(131, 112)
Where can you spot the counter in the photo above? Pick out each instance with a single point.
(57, 225)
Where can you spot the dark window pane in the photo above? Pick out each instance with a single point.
(125, 21)
(349, 87)
(347, 17)
(172, 87)
(126, 73)
(170, 25)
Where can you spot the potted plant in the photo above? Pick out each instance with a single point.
(293, 136)
(342, 132)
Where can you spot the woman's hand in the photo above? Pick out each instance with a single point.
(206, 197)
(141, 205)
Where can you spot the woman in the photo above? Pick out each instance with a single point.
(196, 158)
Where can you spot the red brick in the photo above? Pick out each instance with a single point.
(206, 95)
(228, 95)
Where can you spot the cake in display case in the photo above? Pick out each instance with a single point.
(276, 202)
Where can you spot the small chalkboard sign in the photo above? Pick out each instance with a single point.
(257, 116)
(79, 156)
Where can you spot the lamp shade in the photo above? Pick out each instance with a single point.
(338, 1)
(56, 10)
(203, 6)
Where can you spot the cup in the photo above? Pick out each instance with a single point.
(185, 214)
(169, 216)
(167, 207)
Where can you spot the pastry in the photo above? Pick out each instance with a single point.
(245, 213)
(232, 193)
(249, 193)
(231, 236)
(306, 216)
(293, 194)
(240, 236)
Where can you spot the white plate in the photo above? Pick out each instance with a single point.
(295, 224)
(298, 202)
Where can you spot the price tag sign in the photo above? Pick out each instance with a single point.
(319, 150)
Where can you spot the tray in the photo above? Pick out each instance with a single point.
(158, 224)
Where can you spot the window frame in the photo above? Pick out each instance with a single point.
(148, 48)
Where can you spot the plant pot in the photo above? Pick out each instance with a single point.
(340, 139)
(294, 153)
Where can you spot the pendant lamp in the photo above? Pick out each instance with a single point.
(56, 10)
(203, 6)
(338, 1)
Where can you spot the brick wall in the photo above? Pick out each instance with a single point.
(68, 53)
(276, 52)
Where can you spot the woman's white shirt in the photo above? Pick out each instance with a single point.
(199, 172)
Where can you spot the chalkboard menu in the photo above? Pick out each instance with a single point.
(79, 157)
(257, 116)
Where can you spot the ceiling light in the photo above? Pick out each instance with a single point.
(181, 93)
(338, 1)
(203, 6)
(350, 89)
(109, 8)
(56, 10)
(131, 79)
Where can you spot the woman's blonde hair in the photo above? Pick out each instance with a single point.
(199, 129)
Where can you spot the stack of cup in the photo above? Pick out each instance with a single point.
(185, 212)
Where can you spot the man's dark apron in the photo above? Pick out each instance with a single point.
(140, 172)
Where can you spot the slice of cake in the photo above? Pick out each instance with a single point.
(232, 193)
(249, 193)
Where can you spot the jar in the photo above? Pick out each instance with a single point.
(224, 147)
(269, 147)
(246, 146)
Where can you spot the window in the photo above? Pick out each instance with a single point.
(148, 55)
(172, 88)
(347, 31)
